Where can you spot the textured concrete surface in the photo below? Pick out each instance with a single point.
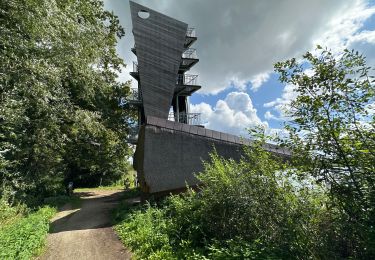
(198, 130)
(167, 159)
(86, 233)
(169, 154)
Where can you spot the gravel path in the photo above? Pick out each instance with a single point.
(86, 233)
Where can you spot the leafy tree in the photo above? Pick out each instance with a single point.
(59, 112)
(332, 133)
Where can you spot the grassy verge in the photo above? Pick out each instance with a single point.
(26, 237)
(117, 187)
(23, 231)
(124, 208)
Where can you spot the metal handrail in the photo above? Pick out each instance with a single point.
(186, 118)
(134, 95)
(187, 79)
(135, 66)
(133, 134)
(190, 32)
(190, 54)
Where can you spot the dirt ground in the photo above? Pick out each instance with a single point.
(86, 232)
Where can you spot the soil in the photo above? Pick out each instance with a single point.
(86, 232)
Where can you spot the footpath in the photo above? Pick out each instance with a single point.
(86, 232)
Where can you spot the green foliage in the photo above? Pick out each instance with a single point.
(25, 237)
(319, 205)
(59, 201)
(10, 214)
(146, 233)
(23, 230)
(249, 209)
(333, 138)
(60, 118)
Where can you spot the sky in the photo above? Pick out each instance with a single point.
(238, 43)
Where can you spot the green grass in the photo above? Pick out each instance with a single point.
(59, 201)
(122, 210)
(23, 231)
(117, 187)
(25, 237)
(9, 214)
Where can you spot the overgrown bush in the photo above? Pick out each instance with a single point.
(10, 214)
(23, 230)
(248, 209)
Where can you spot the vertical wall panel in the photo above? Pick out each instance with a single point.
(159, 41)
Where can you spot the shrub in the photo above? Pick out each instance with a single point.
(145, 232)
(255, 208)
(25, 237)
(9, 214)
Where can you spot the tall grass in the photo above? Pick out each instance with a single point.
(23, 231)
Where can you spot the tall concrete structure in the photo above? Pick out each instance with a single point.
(162, 47)
(171, 143)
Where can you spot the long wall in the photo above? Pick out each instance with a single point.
(169, 154)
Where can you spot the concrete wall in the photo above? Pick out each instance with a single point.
(168, 159)
(170, 153)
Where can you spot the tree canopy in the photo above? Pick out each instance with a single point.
(332, 135)
(60, 117)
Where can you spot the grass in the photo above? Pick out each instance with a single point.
(8, 214)
(117, 187)
(25, 237)
(23, 231)
(122, 210)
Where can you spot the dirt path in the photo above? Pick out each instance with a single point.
(86, 233)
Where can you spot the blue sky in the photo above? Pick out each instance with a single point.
(240, 40)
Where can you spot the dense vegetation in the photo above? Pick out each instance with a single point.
(26, 237)
(23, 231)
(333, 137)
(60, 118)
(318, 205)
(244, 210)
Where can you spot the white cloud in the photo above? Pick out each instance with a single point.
(240, 40)
(281, 104)
(238, 83)
(343, 30)
(268, 115)
(287, 96)
(258, 80)
(232, 115)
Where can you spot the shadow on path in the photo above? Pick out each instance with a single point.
(86, 232)
(94, 213)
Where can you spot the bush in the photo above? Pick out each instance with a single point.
(10, 214)
(146, 232)
(332, 136)
(25, 237)
(23, 230)
(255, 208)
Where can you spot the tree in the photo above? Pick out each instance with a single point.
(59, 98)
(332, 134)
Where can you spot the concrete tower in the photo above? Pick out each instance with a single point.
(162, 46)
(171, 143)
